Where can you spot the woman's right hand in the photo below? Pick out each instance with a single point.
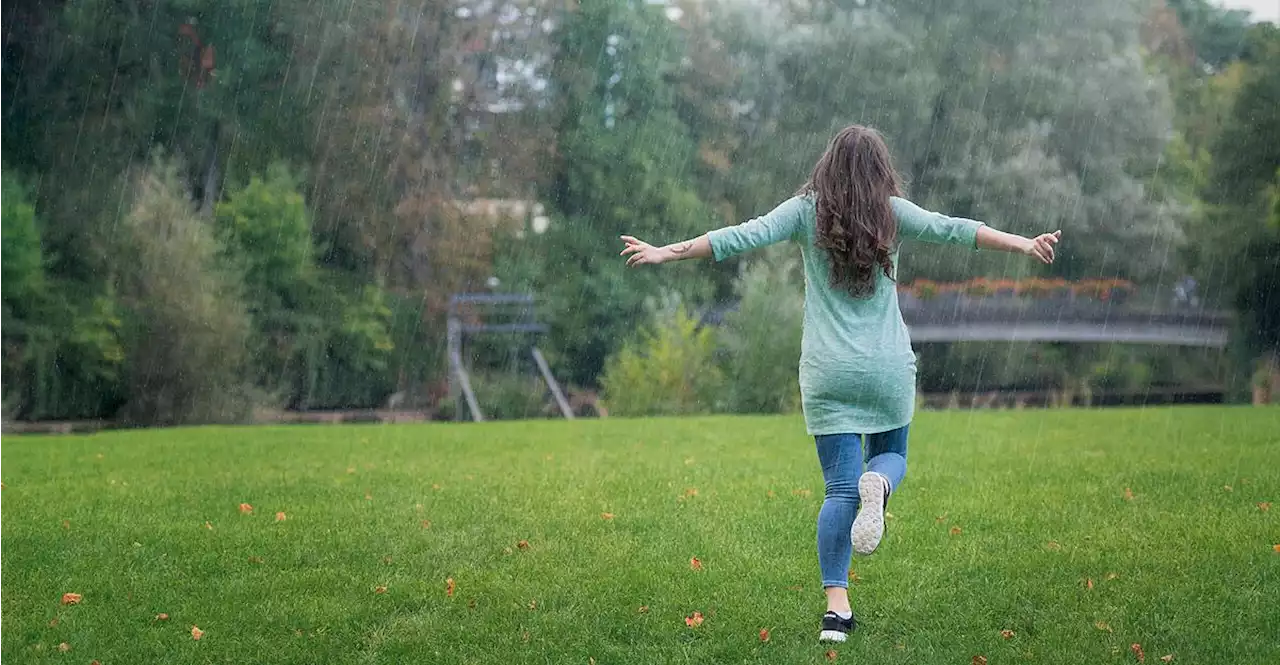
(1042, 246)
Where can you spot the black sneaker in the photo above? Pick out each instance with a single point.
(836, 629)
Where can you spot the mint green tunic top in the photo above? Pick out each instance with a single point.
(857, 369)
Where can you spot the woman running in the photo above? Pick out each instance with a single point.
(857, 369)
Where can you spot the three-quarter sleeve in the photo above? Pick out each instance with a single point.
(781, 223)
(916, 223)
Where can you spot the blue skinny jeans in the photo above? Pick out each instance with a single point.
(842, 457)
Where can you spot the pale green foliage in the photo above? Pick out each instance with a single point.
(762, 338)
(668, 370)
(22, 261)
(189, 331)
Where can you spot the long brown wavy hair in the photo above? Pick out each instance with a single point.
(851, 185)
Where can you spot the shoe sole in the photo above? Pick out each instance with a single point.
(868, 526)
(832, 636)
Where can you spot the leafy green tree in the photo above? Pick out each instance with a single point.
(761, 339)
(669, 369)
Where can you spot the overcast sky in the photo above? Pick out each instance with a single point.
(1263, 10)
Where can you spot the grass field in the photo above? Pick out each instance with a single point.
(568, 542)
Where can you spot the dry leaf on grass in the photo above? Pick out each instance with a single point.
(533, 604)
(66, 524)
(1088, 583)
(693, 621)
(802, 492)
(644, 609)
(71, 598)
(1128, 494)
(764, 634)
(208, 525)
(1007, 634)
(196, 633)
(426, 524)
(695, 564)
(162, 617)
(53, 622)
(245, 509)
(522, 545)
(979, 660)
(1137, 652)
(691, 492)
(1168, 658)
(831, 655)
(1102, 625)
(380, 589)
(64, 647)
(255, 559)
(606, 516)
(1264, 506)
(449, 586)
(1226, 488)
(1111, 576)
(955, 530)
(853, 576)
(280, 517)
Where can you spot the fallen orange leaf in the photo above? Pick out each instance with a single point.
(208, 525)
(644, 609)
(162, 617)
(1053, 545)
(1276, 548)
(435, 487)
(1006, 634)
(693, 621)
(695, 564)
(66, 524)
(955, 530)
(1111, 576)
(764, 634)
(1102, 625)
(522, 545)
(380, 589)
(524, 637)
(426, 524)
(1088, 583)
(53, 622)
(1168, 658)
(1264, 506)
(853, 577)
(387, 559)
(71, 598)
(692, 491)
(471, 604)
(280, 517)
(606, 516)
(245, 509)
(196, 633)
(1226, 488)
(95, 662)
(368, 496)
(1128, 494)
(64, 647)
(449, 586)
(941, 518)
(802, 492)
(771, 494)
(1137, 651)
(831, 655)
(533, 604)
(979, 660)
(255, 559)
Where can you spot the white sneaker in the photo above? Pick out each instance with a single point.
(868, 527)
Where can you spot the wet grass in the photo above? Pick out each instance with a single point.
(568, 542)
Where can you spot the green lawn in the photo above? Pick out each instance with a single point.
(1186, 566)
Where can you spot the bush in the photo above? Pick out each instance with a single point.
(762, 338)
(504, 396)
(187, 331)
(668, 370)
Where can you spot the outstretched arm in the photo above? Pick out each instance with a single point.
(1040, 247)
(643, 253)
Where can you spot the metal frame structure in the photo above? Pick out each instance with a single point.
(494, 313)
